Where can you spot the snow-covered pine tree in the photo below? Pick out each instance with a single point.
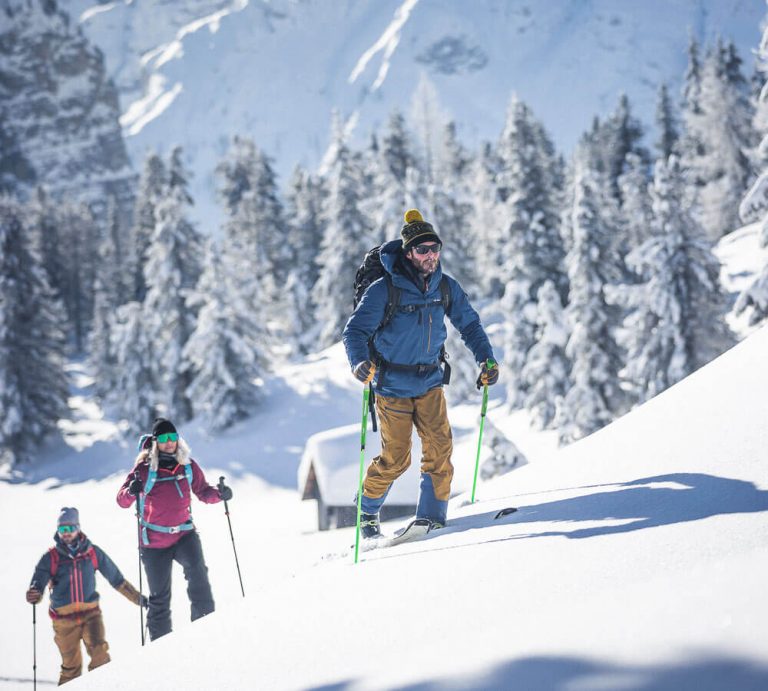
(109, 293)
(226, 349)
(595, 394)
(152, 185)
(666, 125)
(635, 213)
(304, 217)
(44, 227)
(428, 120)
(754, 206)
(134, 398)
(388, 200)
(528, 244)
(78, 243)
(255, 225)
(484, 220)
(171, 269)
(676, 319)
(33, 384)
(614, 139)
(347, 238)
(450, 200)
(504, 456)
(547, 367)
(16, 172)
(718, 135)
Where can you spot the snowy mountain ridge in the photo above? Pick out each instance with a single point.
(180, 66)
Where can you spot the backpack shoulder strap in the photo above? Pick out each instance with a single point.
(393, 301)
(90, 552)
(445, 293)
(54, 561)
(188, 473)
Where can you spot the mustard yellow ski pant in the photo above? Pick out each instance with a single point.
(397, 418)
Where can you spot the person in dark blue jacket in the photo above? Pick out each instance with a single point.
(403, 359)
(70, 568)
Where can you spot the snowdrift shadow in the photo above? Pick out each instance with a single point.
(542, 673)
(643, 506)
(638, 503)
(560, 673)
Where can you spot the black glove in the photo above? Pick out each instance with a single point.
(143, 601)
(136, 486)
(488, 375)
(225, 492)
(364, 371)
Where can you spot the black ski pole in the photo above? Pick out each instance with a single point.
(34, 647)
(231, 535)
(141, 580)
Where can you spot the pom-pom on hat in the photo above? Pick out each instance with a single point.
(162, 426)
(69, 516)
(416, 230)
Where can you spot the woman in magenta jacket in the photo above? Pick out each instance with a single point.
(163, 480)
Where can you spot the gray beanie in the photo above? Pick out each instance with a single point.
(69, 516)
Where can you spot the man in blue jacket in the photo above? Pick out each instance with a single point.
(403, 359)
(70, 569)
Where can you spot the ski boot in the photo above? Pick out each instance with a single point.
(369, 525)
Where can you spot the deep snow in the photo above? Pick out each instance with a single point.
(637, 558)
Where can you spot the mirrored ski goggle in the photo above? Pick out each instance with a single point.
(424, 249)
(170, 436)
(66, 529)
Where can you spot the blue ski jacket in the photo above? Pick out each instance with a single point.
(417, 331)
(74, 585)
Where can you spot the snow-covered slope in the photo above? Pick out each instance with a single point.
(636, 560)
(200, 71)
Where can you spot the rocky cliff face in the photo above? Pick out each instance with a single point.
(60, 108)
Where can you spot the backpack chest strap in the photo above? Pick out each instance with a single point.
(152, 478)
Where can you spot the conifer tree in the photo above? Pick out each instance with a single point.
(33, 384)
(109, 293)
(595, 395)
(171, 270)
(547, 367)
(635, 214)
(225, 351)
(347, 238)
(666, 125)
(450, 200)
(676, 322)
(16, 172)
(136, 391)
(389, 200)
(724, 168)
(754, 206)
(304, 219)
(152, 186)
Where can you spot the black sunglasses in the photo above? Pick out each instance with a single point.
(425, 249)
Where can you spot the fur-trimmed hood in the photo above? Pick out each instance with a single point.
(152, 454)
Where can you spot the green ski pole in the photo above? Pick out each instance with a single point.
(488, 364)
(366, 394)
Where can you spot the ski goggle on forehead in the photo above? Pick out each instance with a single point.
(424, 249)
(66, 529)
(170, 436)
